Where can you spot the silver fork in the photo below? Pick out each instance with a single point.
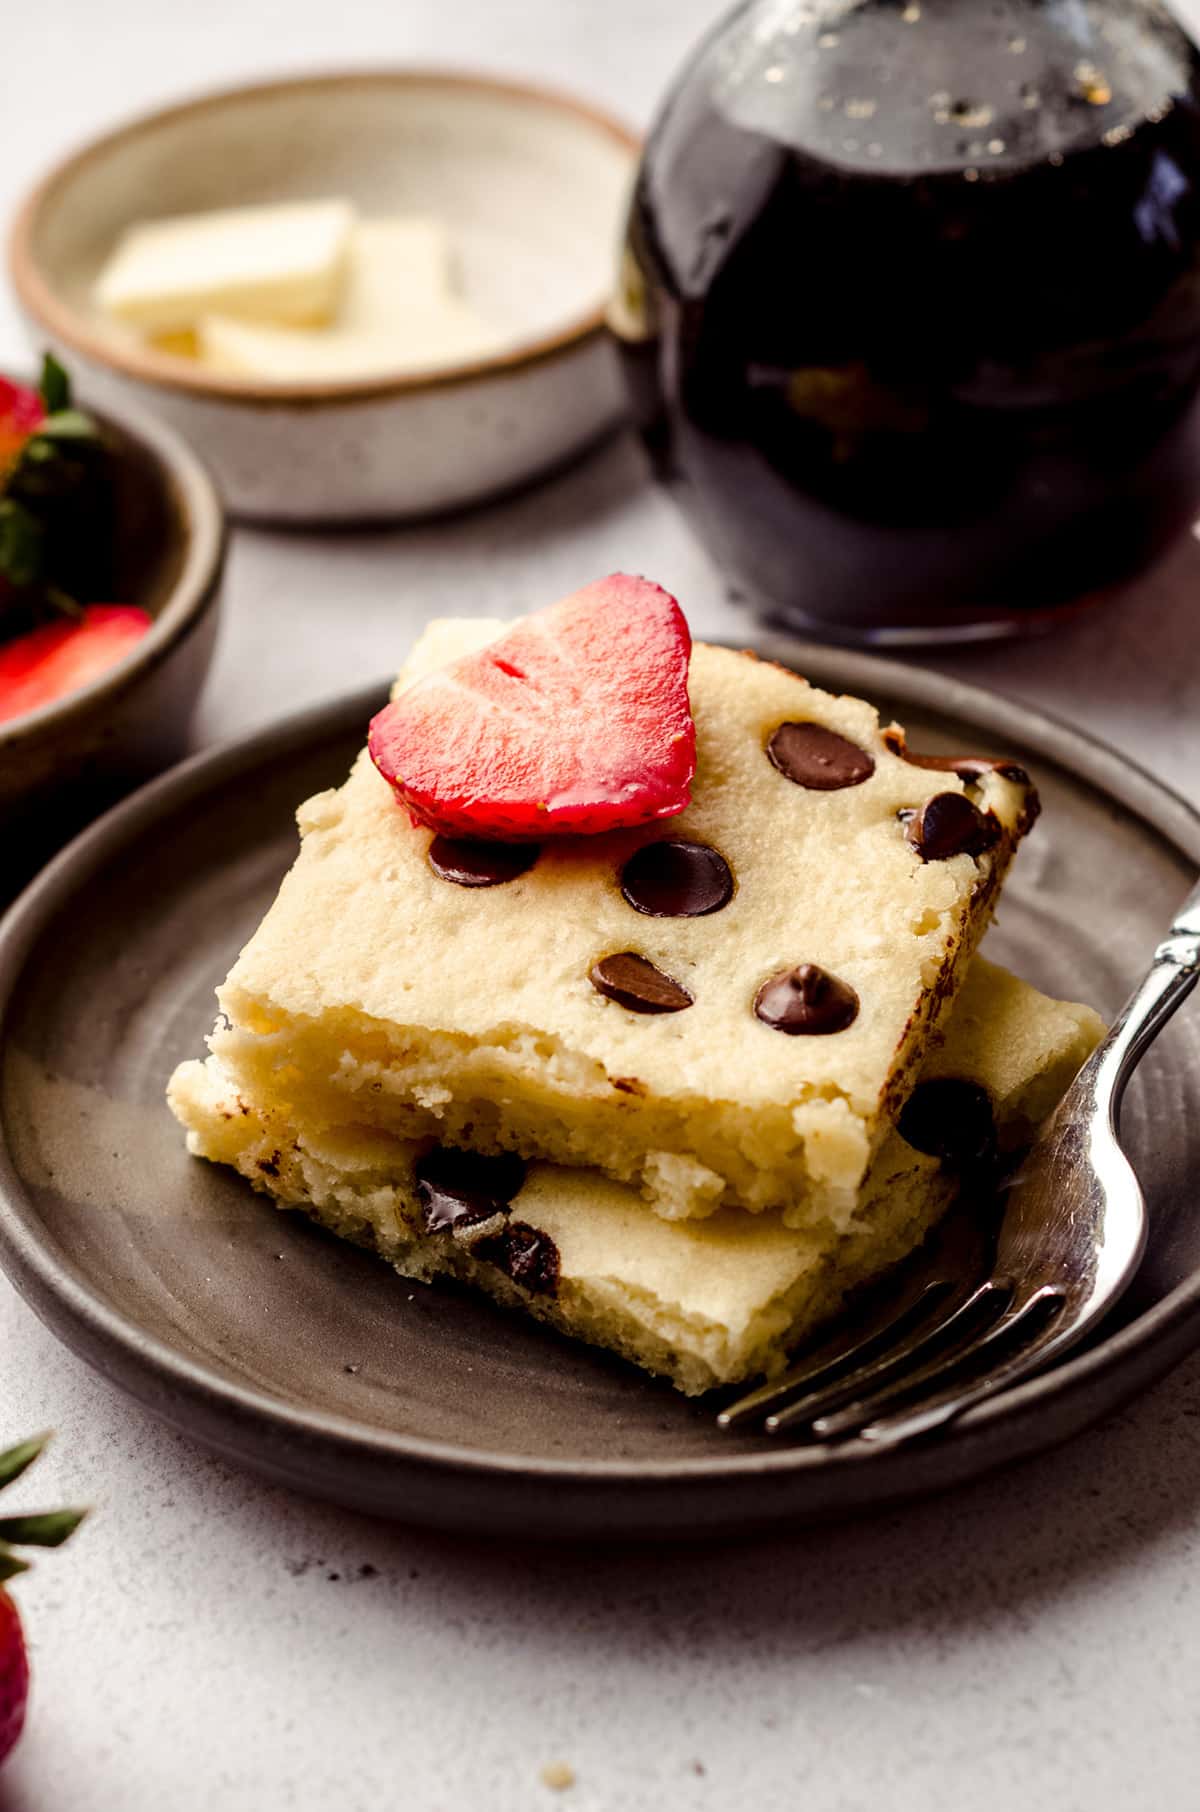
(1072, 1227)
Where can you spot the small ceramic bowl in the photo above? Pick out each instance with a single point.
(61, 764)
(532, 187)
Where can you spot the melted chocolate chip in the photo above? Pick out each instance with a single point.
(675, 880)
(949, 825)
(526, 1254)
(459, 1188)
(818, 758)
(970, 768)
(806, 1000)
(470, 862)
(967, 767)
(633, 982)
(951, 1120)
(974, 767)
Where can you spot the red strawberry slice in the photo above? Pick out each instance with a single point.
(60, 657)
(576, 721)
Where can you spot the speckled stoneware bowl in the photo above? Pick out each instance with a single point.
(532, 187)
(61, 764)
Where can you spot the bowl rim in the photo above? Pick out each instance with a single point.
(162, 372)
(205, 540)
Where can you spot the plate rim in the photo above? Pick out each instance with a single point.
(155, 1373)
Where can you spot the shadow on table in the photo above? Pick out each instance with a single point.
(1037, 1531)
(1004, 1545)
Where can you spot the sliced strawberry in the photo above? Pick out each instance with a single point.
(576, 721)
(60, 657)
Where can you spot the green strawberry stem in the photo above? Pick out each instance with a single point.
(42, 1529)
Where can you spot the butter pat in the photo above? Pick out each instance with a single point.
(418, 337)
(276, 264)
(393, 265)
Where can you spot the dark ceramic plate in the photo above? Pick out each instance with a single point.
(309, 1360)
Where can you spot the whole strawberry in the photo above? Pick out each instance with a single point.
(45, 1530)
(22, 413)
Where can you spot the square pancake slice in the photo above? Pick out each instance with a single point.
(726, 1008)
(701, 1302)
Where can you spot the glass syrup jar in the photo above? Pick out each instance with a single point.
(910, 306)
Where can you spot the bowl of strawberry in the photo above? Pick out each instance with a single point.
(112, 547)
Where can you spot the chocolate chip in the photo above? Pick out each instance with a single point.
(675, 880)
(974, 767)
(459, 1188)
(633, 982)
(470, 862)
(951, 1120)
(970, 768)
(526, 1254)
(806, 1000)
(949, 825)
(1031, 811)
(818, 758)
(967, 767)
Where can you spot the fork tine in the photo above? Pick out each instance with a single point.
(955, 1251)
(833, 1358)
(868, 1418)
(949, 1333)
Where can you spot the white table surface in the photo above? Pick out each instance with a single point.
(1030, 1641)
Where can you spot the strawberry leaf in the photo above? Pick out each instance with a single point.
(42, 1529)
(67, 424)
(54, 387)
(49, 1529)
(38, 452)
(15, 1459)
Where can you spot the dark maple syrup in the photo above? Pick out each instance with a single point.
(912, 304)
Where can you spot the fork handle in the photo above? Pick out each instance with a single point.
(1165, 986)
